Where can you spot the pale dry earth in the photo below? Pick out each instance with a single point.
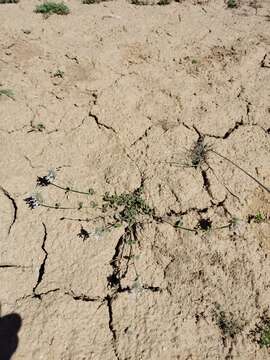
(140, 83)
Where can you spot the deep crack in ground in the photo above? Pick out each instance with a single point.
(109, 300)
(100, 124)
(15, 208)
(42, 266)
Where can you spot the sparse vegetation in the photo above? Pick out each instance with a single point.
(125, 209)
(131, 204)
(51, 7)
(128, 209)
(116, 210)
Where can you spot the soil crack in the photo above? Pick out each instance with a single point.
(206, 183)
(6, 266)
(100, 124)
(144, 135)
(231, 130)
(15, 208)
(114, 280)
(82, 297)
(42, 266)
(109, 300)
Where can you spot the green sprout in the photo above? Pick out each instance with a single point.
(259, 217)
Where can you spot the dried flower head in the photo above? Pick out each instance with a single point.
(46, 180)
(32, 201)
(199, 151)
(84, 234)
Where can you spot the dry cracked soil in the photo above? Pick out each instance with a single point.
(160, 103)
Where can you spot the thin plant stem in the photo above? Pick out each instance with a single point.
(83, 220)
(244, 171)
(222, 227)
(67, 189)
(179, 164)
(99, 217)
(63, 208)
(184, 228)
(196, 230)
(180, 227)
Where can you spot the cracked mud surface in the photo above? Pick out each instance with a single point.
(140, 86)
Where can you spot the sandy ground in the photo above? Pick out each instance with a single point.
(114, 96)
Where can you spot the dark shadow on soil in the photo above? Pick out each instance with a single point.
(9, 326)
